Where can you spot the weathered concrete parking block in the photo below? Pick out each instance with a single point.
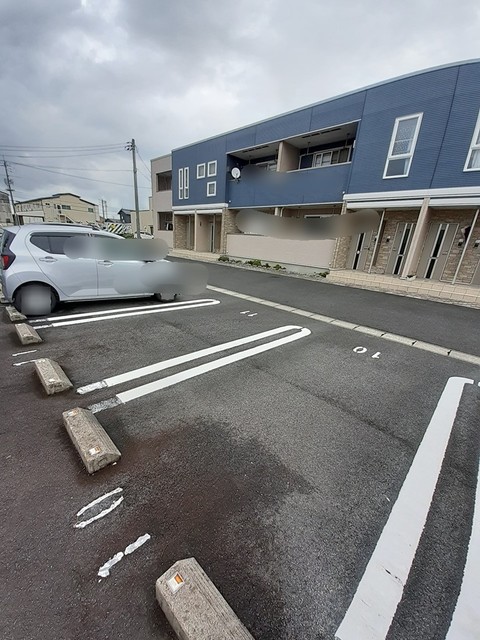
(27, 334)
(92, 442)
(52, 376)
(194, 606)
(14, 315)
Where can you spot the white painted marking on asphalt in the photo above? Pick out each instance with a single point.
(19, 364)
(143, 390)
(466, 617)
(250, 315)
(67, 323)
(23, 353)
(74, 316)
(105, 404)
(376, 355)
(373, 607)
(174, 362)
(360, 349)
(98, 500)
(104, 570)
(417, 344)
(102, 514)
(244, 312)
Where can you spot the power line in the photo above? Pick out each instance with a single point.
(147, 168)
(69, 175)
(69, 148)
(78, 169)
(75, 155)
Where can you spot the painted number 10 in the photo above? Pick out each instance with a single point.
(364, 350)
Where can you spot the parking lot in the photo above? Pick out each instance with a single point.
(273, 447)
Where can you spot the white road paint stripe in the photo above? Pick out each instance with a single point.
(19, 364)
(73, 316)
(23, 353)
(417, 344)
(373, 607)
(465, 622)
(104, 570)
(98, 500)
(173, 362)
(102, 514)
(143, 390)
(149, 311)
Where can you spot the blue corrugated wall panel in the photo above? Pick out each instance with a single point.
(463, 117)
(431, 94)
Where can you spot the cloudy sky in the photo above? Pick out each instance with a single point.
(95, 73)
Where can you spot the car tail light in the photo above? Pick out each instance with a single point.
(7, 259)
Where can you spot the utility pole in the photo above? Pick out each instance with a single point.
(9, 184)
(131, 147)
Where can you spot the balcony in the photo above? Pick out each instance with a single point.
(277, 189)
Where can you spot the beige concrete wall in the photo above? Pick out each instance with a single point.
(287, 157)
(314, 253)
(167, 236)
(147, 220)
(161, 200)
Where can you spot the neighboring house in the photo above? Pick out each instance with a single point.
(128, 217)
(161, 201)
(408, 148)
(6, 217)
(60, 207)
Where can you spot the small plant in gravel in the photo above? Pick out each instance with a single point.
(277, 267)
(223, 259)
(322, 274)
(254, 263)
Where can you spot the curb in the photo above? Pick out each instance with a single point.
(52, 376)
(194, 607)
(92, 442)
(27, 334)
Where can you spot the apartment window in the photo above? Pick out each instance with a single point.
(332, 156)
(212, 169)
(473, 158)
(164, 182)
(211, 188)
(269, 165)
(402, 146)
(67, 207)
(183, 183)
(201, 170)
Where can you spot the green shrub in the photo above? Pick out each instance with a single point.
(322, 274)
(277, 267)
(223, 259)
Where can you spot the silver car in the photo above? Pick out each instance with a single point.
(37, 274)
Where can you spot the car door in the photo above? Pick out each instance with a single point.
(72, 277)
(119, 278)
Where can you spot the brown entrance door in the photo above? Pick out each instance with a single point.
(358, 253)
(438, 244)
(400, 247)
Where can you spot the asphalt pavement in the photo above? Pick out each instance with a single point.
(277, 469)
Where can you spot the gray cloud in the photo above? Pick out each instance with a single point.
(83, 72)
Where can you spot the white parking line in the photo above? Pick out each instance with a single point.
(163, 305)
(173, 362)
(465, 622)
(102, 514)
(138, 392)
(23, 353)
(104, 570)
(163, 309)
(19, 364)
(373, 607)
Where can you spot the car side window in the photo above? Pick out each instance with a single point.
(57, 244)
(41, 241)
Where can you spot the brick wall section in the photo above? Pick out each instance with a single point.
(228, 226)
(180, 232)
(342, 246)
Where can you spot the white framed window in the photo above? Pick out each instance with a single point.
(201, 170)
(473, 159)
(402, 146)
(269, 165)
(183, 183)
(211, 188)
(331, 156)
(180, 184)
(212, 169)
(186, 183)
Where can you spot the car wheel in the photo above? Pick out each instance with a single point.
(166, 296)
(35, 300)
